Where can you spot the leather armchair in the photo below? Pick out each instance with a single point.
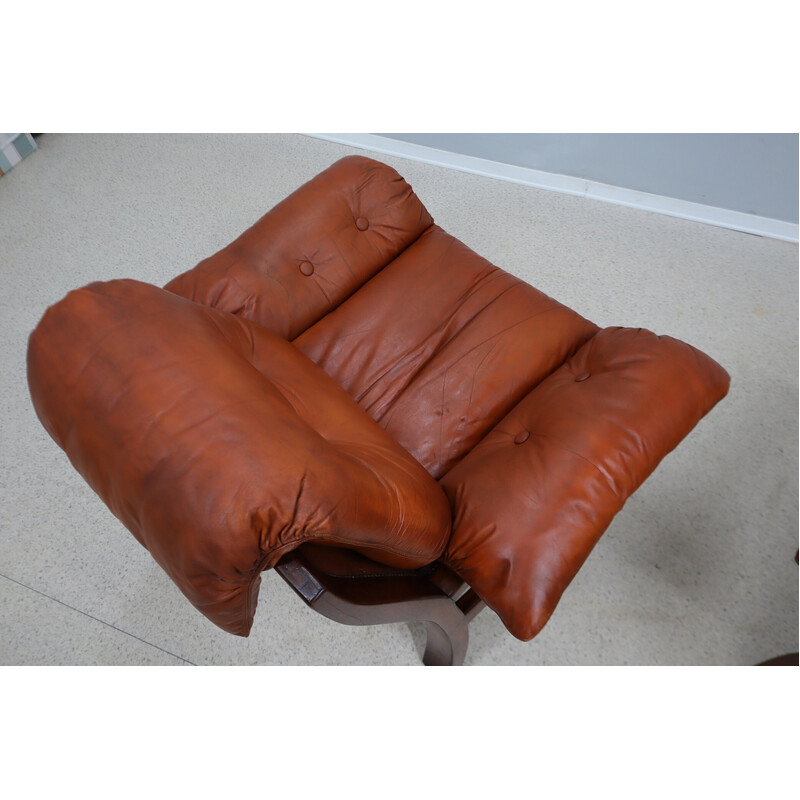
(350, 395)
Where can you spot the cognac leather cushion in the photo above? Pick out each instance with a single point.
(531, 500)
(313, 249)
(440, 344)
(219, 445)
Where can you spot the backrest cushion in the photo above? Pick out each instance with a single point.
(312, 250)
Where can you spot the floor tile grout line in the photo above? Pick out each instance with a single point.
(102, 622)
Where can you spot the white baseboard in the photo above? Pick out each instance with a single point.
(697, 212)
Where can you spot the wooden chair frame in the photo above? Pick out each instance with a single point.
(349, 588)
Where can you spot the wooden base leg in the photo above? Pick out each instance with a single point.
(365, 598)
(447, 644)
(445, 648)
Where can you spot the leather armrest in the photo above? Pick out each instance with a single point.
(531, 500)
(219, 445)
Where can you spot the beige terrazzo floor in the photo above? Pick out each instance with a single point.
(697, 569)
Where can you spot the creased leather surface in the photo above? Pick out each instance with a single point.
(532, 499)
(219, 445)
(441, 344)
(312, 250)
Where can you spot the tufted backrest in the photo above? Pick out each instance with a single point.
(312, 250)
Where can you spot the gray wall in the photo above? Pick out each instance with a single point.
(751, 172)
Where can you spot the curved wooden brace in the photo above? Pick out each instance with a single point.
(349, 588)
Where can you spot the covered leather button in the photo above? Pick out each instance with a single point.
(362, 223)
(521, 437)
(582, 377)
(306, 267)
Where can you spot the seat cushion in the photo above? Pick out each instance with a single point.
(531, 500)
(219, 445)
(440, 344)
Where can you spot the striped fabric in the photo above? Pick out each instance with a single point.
(13, 148)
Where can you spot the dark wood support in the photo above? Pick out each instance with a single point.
(788, 660)
(350, 588)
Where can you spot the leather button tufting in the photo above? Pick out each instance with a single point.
(306, 267)
(582, 377)
(362, 224)
(521, 437)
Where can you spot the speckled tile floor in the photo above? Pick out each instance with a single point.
(699, 566)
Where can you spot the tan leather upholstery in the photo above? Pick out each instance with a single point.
(441, 344)
(315, 379)
(313, 250)
(219, 446)
(532, 499)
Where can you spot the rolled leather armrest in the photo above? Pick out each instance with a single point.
(219, 445)
(531, 500)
